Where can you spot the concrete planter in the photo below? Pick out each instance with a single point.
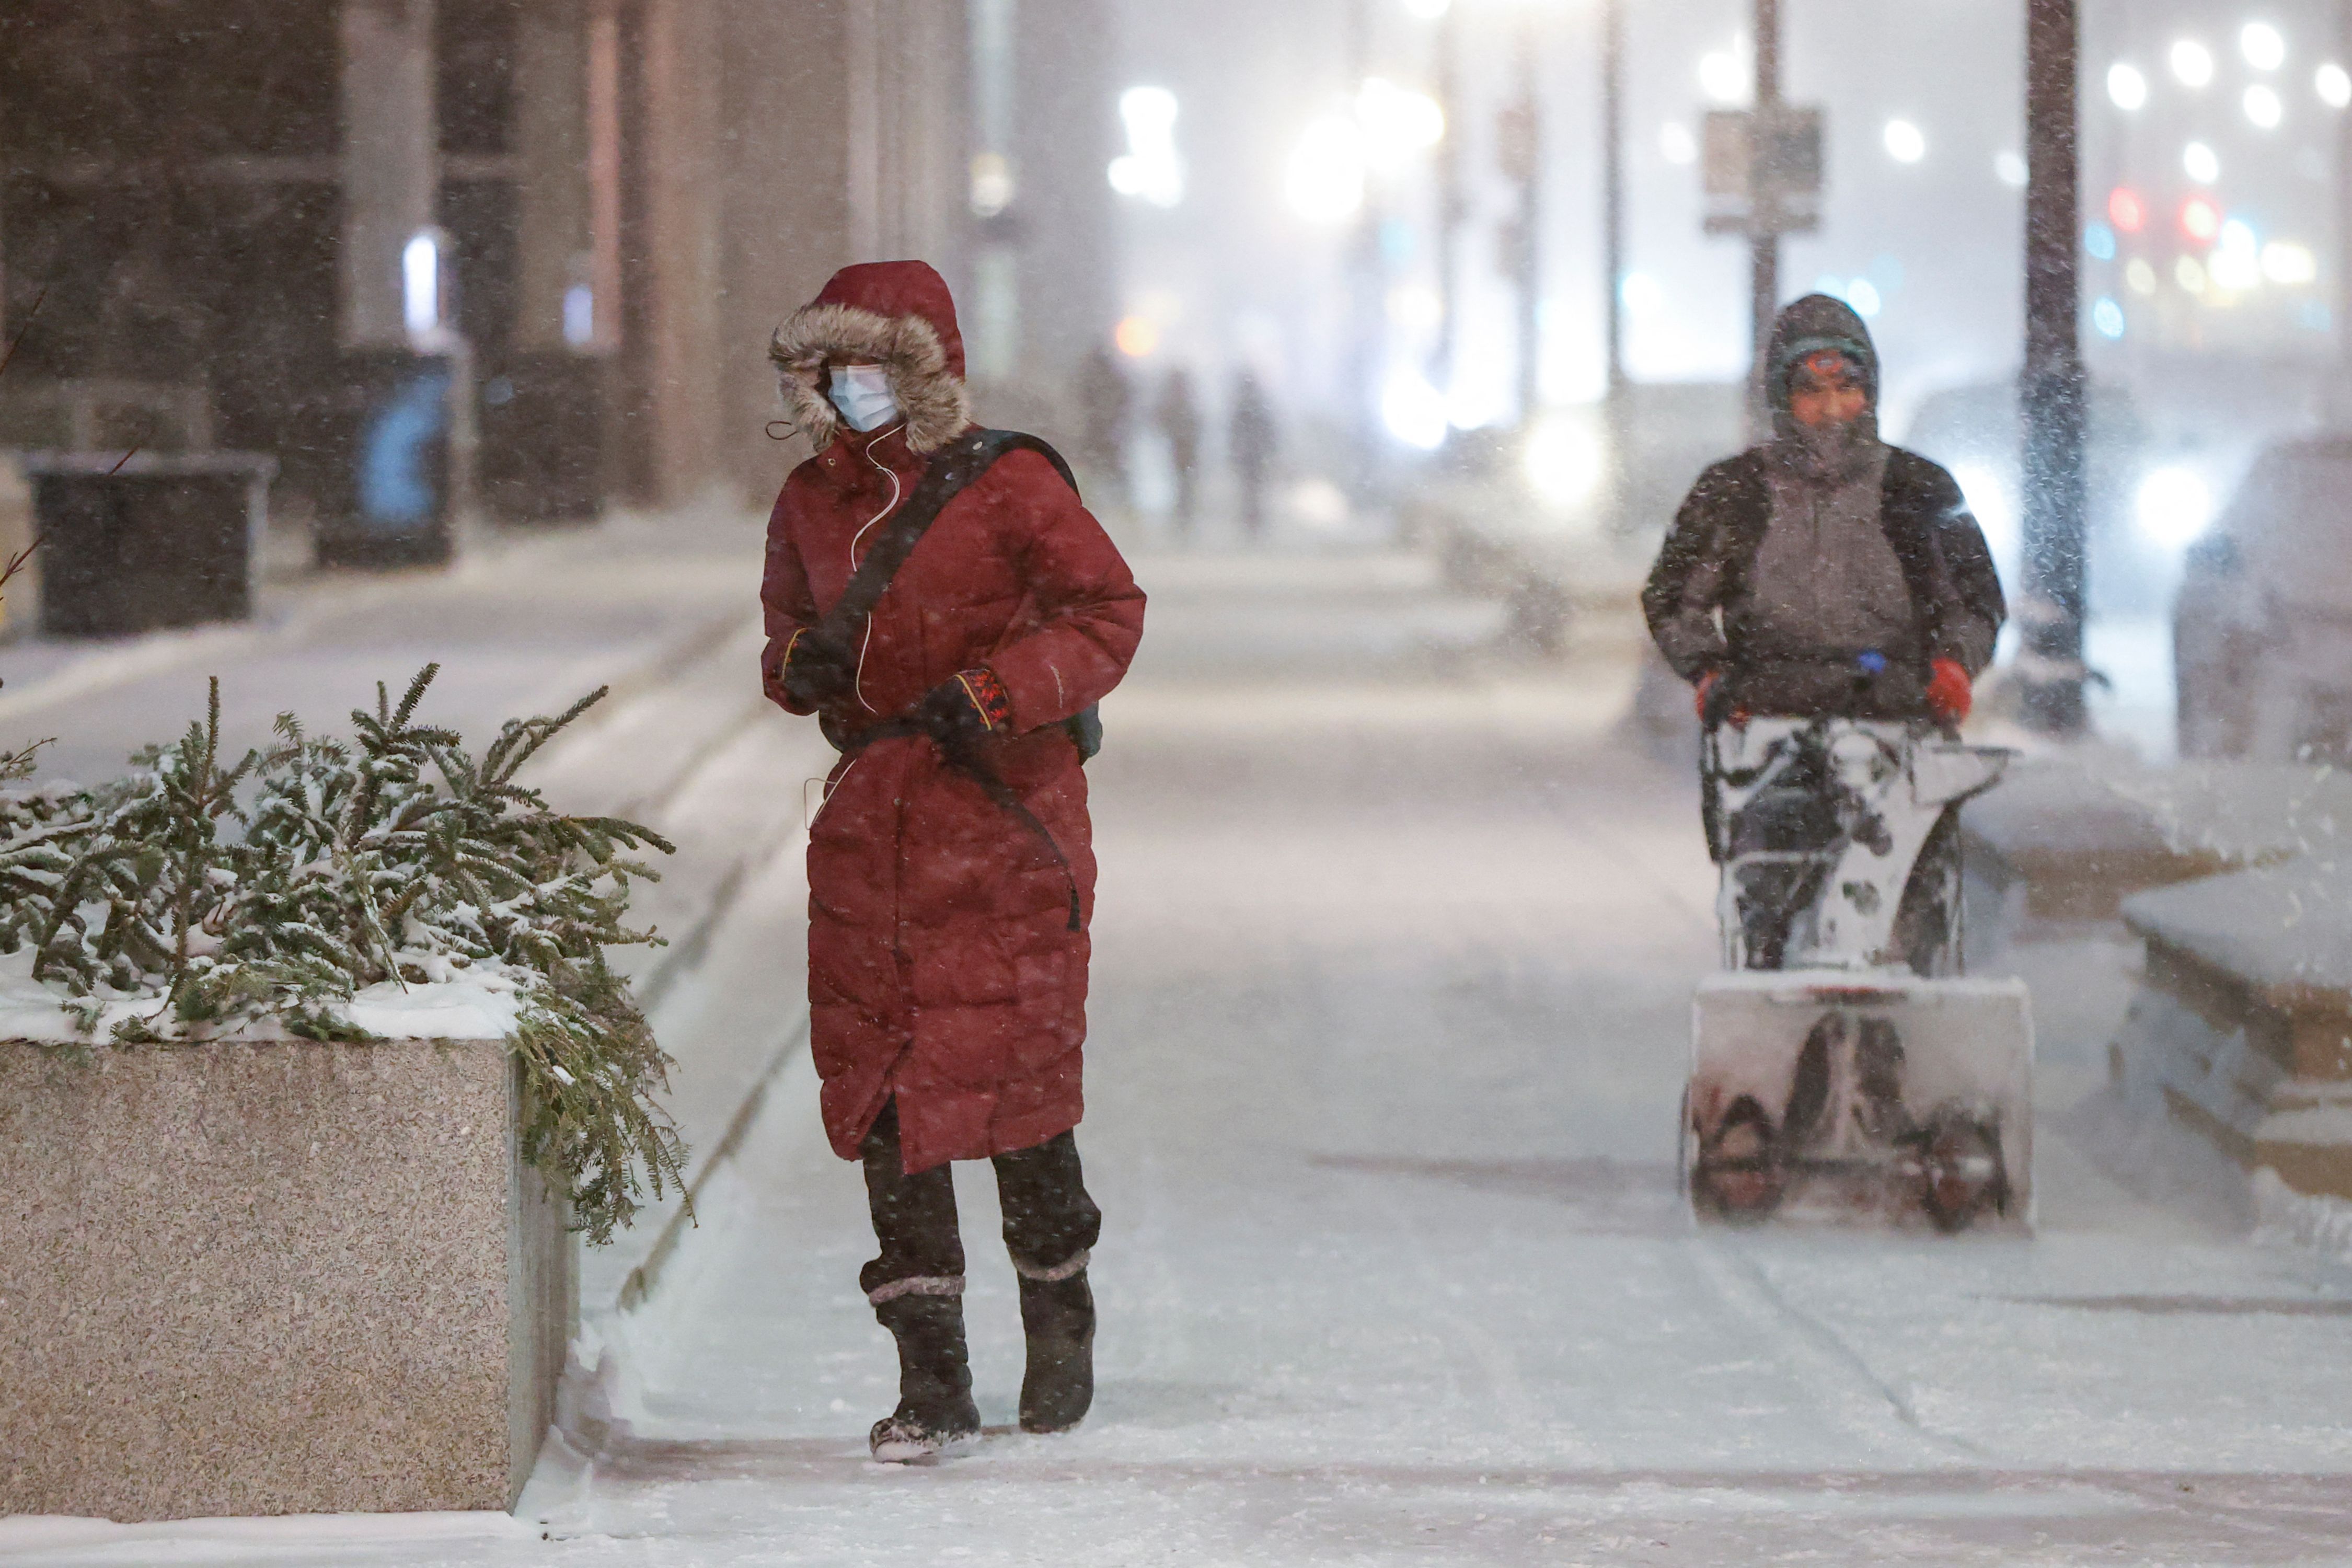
(276, 1278)
(2244, 1019)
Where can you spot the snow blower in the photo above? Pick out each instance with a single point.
(1842, 1068)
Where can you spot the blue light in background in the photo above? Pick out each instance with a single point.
(2100, 241)
(2108, 318)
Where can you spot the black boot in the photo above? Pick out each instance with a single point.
(1058, 1317)
(935, 1407)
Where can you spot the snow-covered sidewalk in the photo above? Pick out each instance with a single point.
(1392, 1001)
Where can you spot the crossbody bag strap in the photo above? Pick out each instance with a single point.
(951, 468)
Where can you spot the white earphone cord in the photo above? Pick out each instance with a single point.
(858, 680)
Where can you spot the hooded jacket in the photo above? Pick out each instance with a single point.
(1823, 578)
(942, 971)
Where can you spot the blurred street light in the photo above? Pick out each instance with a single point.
(2291, 265)
(420, 285)
(992, 184)
(1415, 413)
(1150, 168)
(1325, 181)
(1385, 128)
(2127, 87)
(1563, 461)
(2263, 108)
(1138, 337)
(1396, 124)
(1905, 143)
(2236, 263)
(2200, 163)
(2174, 508)
(1721, 77)
(2192, 63)
(2334, 85)
(2262, 45)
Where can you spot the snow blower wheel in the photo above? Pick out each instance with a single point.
(1962, 1175)
(1740, 1175)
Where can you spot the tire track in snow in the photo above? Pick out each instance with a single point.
(1744, 1288)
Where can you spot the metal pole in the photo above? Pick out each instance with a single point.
(2339, 411)
(1450, 202)
(1764, 241)
(1531, 213)
(2052, 396)
(1612, 247)
(1366, 327)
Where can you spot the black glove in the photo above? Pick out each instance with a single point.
(817, 673)
(957, 712)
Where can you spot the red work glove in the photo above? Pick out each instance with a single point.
(1705, 690)
(1950, 693)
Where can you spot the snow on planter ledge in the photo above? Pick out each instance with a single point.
(476, 1002)
(270, 1276)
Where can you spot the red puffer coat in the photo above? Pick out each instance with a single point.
(941, 966)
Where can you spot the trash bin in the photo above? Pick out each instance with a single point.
(389, 499)
(164, 539)
(543, 439)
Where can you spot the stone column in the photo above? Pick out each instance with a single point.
(682, 67)
(1067, 132)
(793, 206)
(391, 160)
(554, 193)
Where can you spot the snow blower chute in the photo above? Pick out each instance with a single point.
(1842, 1069)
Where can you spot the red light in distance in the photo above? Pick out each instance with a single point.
(2200, 219)
(2126, 211)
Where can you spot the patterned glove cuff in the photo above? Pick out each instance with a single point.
(988, 695)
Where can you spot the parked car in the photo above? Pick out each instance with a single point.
(2262, 629)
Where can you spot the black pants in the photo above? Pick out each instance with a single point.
(1050, 1222)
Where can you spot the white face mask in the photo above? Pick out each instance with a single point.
(861, 394)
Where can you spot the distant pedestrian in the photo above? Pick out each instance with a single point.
(1178, 417)
(950, 867)
(1105, 403)
(1251, 443)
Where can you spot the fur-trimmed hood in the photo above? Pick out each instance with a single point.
(896, 314)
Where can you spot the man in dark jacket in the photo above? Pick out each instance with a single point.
(1825, 573)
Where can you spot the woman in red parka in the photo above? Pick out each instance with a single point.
(947, 949)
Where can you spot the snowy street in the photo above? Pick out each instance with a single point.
(1395, 955)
